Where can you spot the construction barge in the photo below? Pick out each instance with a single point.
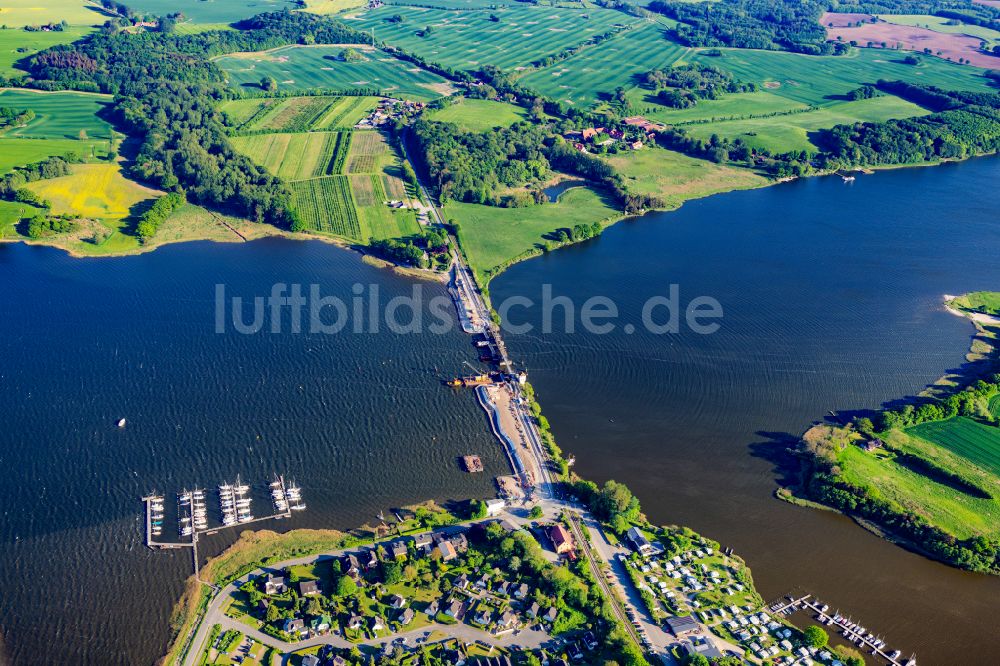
(472, 464)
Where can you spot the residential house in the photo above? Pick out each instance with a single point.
(494, 507)
(460, 542)
(355, 622)
(377, 624)
(423, 542)
(398, 549)
(462, 582)
(616, 134)
(502, 588)
(433, 608)
(484, 616)
(310, 660)
(551, 614)
(370, 559)
(397, 602)
(274, 584)
(533, 610)
(447, 551)
(483, 582)
(308, 588)
(294, 625)
(521, 591)
(349, 565)
(321, 624)
(507, 621)
(406, 616)
(454, 609)
(635, 145)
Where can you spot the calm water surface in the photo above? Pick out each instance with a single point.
(360, 421)
(832, 300)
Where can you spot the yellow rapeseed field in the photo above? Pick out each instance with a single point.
(92, 190)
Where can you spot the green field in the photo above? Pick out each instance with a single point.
(939, 24)
(61, 115)
(18, 152)
(492, 236)
(19, 13)
(325, 204)
(298, 114)
(595, 72)
(18, 44)
(739, 105)
(677, 178)
(211, 11)
(292, 156)
(468, 39)
(821, 80)
(320, 67)
(976, 442)
(478, 115)
(792, 132)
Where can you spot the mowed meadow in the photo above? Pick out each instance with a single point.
(308, 68)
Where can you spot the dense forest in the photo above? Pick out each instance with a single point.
(965, 124)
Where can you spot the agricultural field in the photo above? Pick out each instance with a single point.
(677, 178)
(191, 28)
(298, 114)
(593, 74)
(16, 45)
(977, 442)
(478, 115)
(321, 68)
(939, 24)
(216, 11)
(18, 152)
(824, 80)
(294, 156)
(493, 236)
(469, 39)
(794, 131)
(94, 191)
(909, 37)
(739, 105)
(326, 205)
(60, 115)
(19, 13)
(332, 6)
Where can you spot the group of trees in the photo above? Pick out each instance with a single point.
(966, 124)
(681, 87)
(41, 226)
(157, 214)
(11, 117)
(972, 402)
(167, 93)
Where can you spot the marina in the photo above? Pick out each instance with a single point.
(235, 501)
(850, 630)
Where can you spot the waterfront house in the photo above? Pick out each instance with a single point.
(308, 588)
(423, 541)
(274, 584)
(398, 549)
(639, 541)
(349, 565)
(561, 540)
(370, 559)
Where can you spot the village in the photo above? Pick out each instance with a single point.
(638, 133)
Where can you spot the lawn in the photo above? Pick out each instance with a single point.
(823, 80)
(676, 178)
(18, 44)
(792, 131)
(594, 73)
(19, 13)
(982, 301)
(479, 115)
(493, 236)
(58, 115)
(739, 105)
(321, 68)
(92, 190)
(468, 39)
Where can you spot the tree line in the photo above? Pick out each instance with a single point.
(681, 87)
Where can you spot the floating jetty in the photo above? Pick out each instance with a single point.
(851, 631)
(472, 464)
(235, 502)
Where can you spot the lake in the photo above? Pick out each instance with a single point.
(832, 300)
(360, 421)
